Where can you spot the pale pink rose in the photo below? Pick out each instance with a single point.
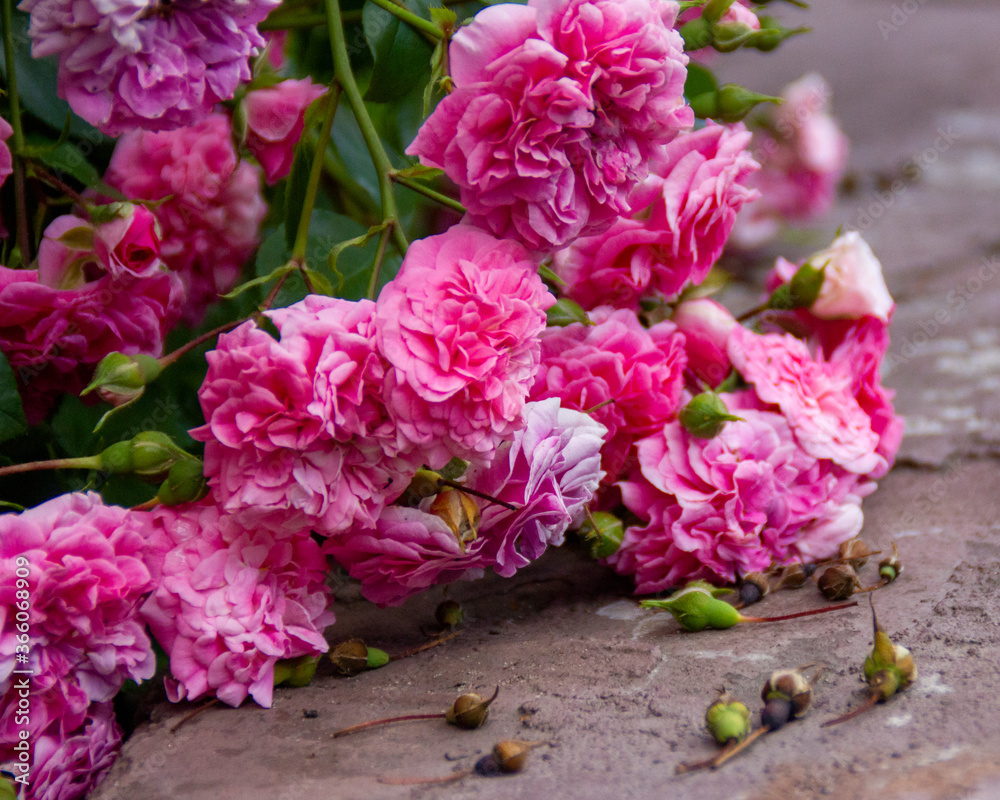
(803, 155)
(68, 765)
(684, 213)
(274, 117)
(816, 397)
(627, 377)
(706, 326)
(549, 470)
(556, 110)
(296, 435)
(85, 579)
(853, 286)
(459, 326)
(722, 507)
(230, 604)
(212, 204)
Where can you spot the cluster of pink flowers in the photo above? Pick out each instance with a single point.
(144, 63)
(72, 575)
(557, 108)
(96, 290)
(817, 429)
(211, 207)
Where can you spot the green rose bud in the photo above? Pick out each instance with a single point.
(729, 103)
(148, 455)
(728, 719)
(771, 35)
(695, 608)
(705, 415)
(801, 291)
(603, 532)
(7, 790)
(185, 483)
(120, 378)
(696, 34)
(295, 672)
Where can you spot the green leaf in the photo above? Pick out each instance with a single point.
(12, 421)
(320, 283)
(63, 158)
(699, 81)
(420, 172)
(262, 280)
(402, 56)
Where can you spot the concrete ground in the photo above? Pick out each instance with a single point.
(615, 692)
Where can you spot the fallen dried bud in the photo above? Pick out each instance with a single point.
(449, 613)
(839, 582)
(354, 656)
(890, 568)
(470, 710)
(855, 552)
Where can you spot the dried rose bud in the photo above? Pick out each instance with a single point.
(354, 656)
(470, 710)
(511, 754)
(890, 568)
(753, 587)
(459, 512)
(855, 552)
(449, 613)
(838, 582)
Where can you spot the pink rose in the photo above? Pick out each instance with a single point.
(625, 376)
(129, 244)
(803, 155)
(686, 210)
(230, 603)
(549, 471)
(706, 326)
(557, 108)
(212, 204)
(816, 398)
(853, 286)
(722, 507)
(459, 326)
(6, 162)
(274, 118)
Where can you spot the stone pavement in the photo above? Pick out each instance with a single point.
(617, 693)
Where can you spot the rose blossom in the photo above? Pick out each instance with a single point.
(640, 371)
(549, 470)
(706, 326)
(556, 110)
(686, 210)
(212, 205)
(146, 64)
(722, 507)
(288, 423)
(231, 603)
(459, 326)
(67, 766)
(6, 162)
(815, 396)
(853, 286)
(86, 577)
(58, 321)
(274, 117)
(802, 156)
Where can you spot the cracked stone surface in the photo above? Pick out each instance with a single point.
(616, 693)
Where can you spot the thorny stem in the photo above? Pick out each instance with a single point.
(177, 354)
(273, 293)
(345, 77)
(47, 177)
(82, 462)
(21, 210)
(302, 233)
(427, 646)
(372, 723)
(870, 702)
(426, 191)
(799, 613)
(194, 713)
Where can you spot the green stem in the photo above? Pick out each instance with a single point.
(21, 210)
(419, 23)
(83, 462)
(428, 192)
(383, 240)
(302, 234)
(290, 21)
(344, 75)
